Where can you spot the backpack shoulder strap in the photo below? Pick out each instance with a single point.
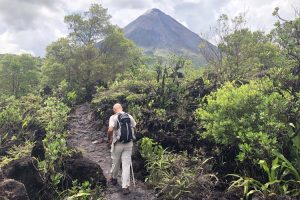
(119, 115)
(118, 120)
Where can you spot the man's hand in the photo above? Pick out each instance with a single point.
(109, 142)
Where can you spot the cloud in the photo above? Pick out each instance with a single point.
(29, 14)
(28, 41)
(259, 13)
(200, 15)
(30, 25)
(7, 41)
(127, 4)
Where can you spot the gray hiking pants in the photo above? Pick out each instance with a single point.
(121, 153)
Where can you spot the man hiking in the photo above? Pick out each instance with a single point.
(120, 137)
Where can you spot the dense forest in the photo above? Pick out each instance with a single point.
(227, 130)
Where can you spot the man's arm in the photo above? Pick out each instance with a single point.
(133, 122)
(110, 130)
(110, 135)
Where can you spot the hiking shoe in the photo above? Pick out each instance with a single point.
(126, 191)
(113, 181)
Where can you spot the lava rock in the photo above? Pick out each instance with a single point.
(38, 151)
(138, 164)
(83, 169)
(12, 190)
(25, 171)
(281, 197)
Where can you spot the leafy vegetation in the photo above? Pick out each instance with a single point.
(174, 175)
(249, 117)
(243, 54)
(277, 183)
(17, 152)
(54, 116)
(19, 75)
(240, 115)
(94, 53)
(16, 117)
(82, 192)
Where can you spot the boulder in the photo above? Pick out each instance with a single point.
(25, 171)
(281, 197)
(138, 164)
(39, 133)
(12, 190)
(38, 151)
(83, 169)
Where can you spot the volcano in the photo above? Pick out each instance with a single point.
(159, 34)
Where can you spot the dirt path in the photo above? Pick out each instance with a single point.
(93, 145)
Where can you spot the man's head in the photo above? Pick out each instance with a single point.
(117, 108)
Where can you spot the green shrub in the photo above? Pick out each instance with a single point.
(283, 179)
(72, 97)
(54, 117)
(16, 115)
(294, 146)
(30, 105)
(176, 175)
(160, 113)
(250, 117)
(17, 152)
(136, 112)
(67, 93)
(82, 192)
(159, 161)
(10, 115)
(133, 91)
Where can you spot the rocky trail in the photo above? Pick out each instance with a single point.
(84, 136)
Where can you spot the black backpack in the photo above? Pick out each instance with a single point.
(125, 129)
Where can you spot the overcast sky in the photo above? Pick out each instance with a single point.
(28, 26)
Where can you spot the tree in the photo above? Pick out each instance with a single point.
(90, 27)
(118, 54)
(19, 74)
(243, 54)
(76, 58)
(59, 62)
(95, 51)
(86, 31)
(287, 35)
